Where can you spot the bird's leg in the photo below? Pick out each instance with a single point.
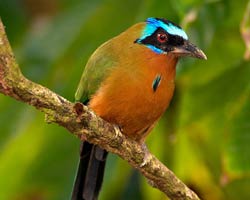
(147, 155)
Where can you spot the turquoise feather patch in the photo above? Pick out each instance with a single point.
(154, 23)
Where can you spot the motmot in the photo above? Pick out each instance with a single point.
(129, 82)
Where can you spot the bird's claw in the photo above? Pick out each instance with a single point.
(117, 131)
(147, 156)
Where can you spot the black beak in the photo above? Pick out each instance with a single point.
(189, 49)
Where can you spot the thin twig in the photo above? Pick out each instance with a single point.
(245, 30)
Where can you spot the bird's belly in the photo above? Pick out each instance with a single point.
(133, 107)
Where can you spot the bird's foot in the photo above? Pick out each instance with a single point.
(147, 155)
(118, 131)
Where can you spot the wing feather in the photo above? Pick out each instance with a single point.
(98, 67)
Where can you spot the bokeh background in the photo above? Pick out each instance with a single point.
(204, 137)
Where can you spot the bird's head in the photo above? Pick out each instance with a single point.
(165, 37)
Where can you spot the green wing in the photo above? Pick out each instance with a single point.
(96, 70)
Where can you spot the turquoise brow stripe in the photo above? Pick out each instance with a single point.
(153, 24)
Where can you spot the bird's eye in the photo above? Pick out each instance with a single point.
(162, 37)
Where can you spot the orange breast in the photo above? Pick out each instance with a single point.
(127, 98)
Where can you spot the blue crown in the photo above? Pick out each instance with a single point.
(154, 23)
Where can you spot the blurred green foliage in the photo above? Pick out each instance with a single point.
(204, 137)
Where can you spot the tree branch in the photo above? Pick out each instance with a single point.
(83, 123)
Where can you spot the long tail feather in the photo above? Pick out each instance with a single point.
(90, 172)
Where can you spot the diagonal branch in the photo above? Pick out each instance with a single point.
(83, 123)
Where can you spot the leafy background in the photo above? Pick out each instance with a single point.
(204, 137)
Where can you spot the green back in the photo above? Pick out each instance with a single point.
(97, 69)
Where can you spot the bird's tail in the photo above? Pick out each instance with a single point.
(90, 172)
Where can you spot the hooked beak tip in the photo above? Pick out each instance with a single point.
(189, 49)
(200, 54)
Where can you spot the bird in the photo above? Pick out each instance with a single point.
(129, 81)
